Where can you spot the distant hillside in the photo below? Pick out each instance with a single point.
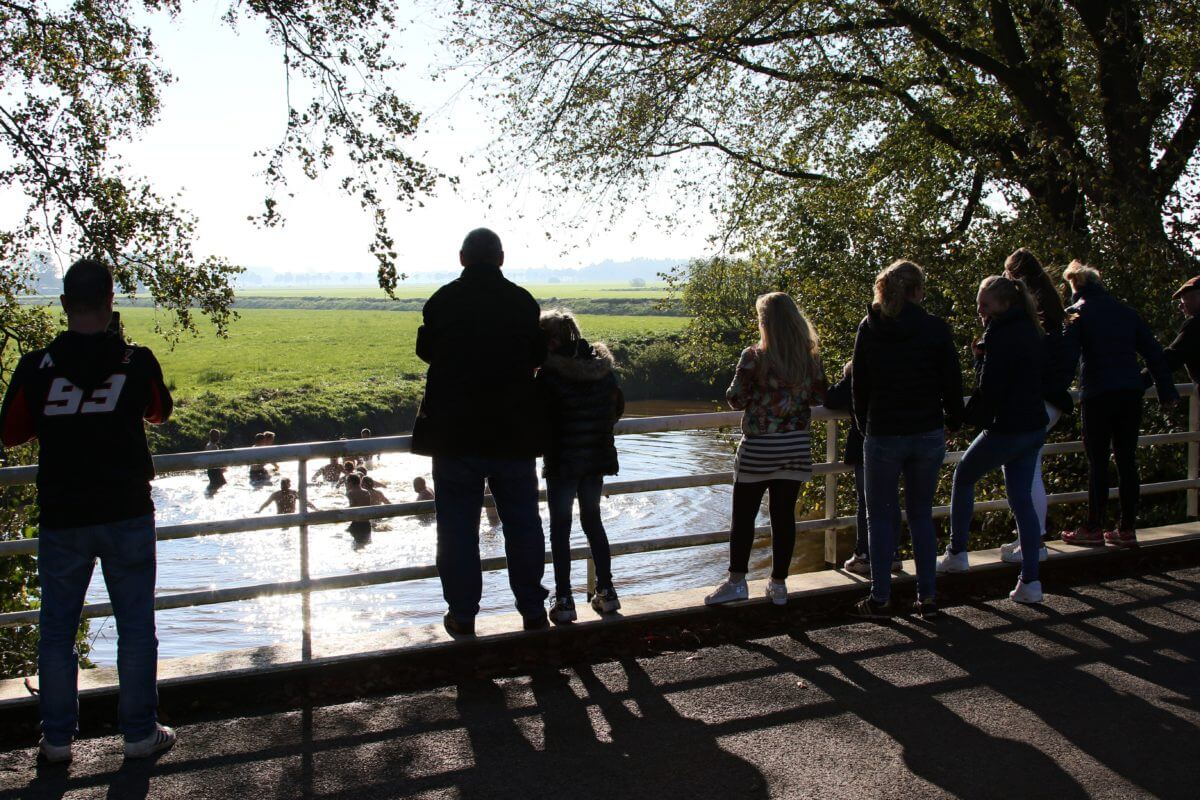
(609, 271)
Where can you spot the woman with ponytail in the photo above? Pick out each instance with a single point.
(1057, 374)
(776, 382)
(1007, 405)
(907, 390)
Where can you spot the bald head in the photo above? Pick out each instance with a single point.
(481, 248)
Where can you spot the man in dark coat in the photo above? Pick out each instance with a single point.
(481, 418)
(1184, 351)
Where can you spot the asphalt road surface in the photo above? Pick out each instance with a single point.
(1094, 694)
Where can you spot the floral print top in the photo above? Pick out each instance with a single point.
(771, 406)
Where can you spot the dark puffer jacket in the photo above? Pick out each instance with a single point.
(1008, 397)
(583, 401)
(840, 397)
(906, 375)
(1108, 337)
(482, 342)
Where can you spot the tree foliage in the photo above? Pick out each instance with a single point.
(867, 129)
(81, 78)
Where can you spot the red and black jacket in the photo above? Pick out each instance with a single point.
(84, 398)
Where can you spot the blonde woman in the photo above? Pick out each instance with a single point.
(1108, 337)
(774, 385)
(907, 391)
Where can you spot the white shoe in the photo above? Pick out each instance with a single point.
(1016, 556)
(163, 738)
(728, 592)
(1027, 592)
(777, 592)
(1010, 547)
(953, 562)
(54, 753)
(858, 564)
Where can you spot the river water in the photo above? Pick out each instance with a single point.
(208, 562)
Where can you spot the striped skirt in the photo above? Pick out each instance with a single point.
(774, 456)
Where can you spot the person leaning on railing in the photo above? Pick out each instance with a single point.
(775, 383)
(907, 391)
(1057, 374)
(1184, 350)
(84, 398)
(1008, 408)
(1107, 337)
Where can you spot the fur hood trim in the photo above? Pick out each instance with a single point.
(600, 364)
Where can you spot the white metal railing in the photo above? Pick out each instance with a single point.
(305, 452)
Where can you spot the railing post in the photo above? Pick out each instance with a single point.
(591, 577)
(1193, 449)
(831, 549)
(305, 596)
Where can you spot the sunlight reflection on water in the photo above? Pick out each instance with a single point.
(265, 556)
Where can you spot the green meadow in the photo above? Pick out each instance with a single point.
(313, 374)
(283, 349)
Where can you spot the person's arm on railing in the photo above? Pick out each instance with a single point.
(16, 419)
(952, 388)
(1186, 342)
(839, 397)
(738, 393)
(1152, 353)
(860, 380)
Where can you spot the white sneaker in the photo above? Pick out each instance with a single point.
(777, 592)
(1010, 547)
(858, 564)
(163, 738)
(728, 592)
(1027, 592)
(953, 562)
(1016, 556)
(54, 753)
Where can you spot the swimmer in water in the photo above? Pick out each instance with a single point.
(377, 497)
(422, 489)
(357, 496)
(285, 499)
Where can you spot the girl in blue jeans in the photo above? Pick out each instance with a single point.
(907, 390)
(1007, 405)
(583, 402)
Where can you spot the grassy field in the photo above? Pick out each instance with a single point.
(312, 350)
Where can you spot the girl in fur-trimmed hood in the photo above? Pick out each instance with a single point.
(583, 402)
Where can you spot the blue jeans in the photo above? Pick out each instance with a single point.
(560, 496)
(862, 545)
(458, 500)
(66, 557)
(918, 457)
(1018, 454)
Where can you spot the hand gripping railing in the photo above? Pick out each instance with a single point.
(305, 452)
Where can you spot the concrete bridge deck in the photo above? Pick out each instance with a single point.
(1094, 694)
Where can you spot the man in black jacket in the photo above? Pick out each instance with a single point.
(84, 399)
(481, 418)
(1184, 351)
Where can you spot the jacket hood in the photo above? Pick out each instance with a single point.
(587, 362)
(88, 359)
(903, 326)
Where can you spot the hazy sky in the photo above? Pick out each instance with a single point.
(228, 100)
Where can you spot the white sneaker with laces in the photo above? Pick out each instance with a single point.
(1009, 547)
(728, 592)
(953, 562)
(1016, 556)
(163, 738)
(777, 592)
(1027, 592)
(54, 753)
